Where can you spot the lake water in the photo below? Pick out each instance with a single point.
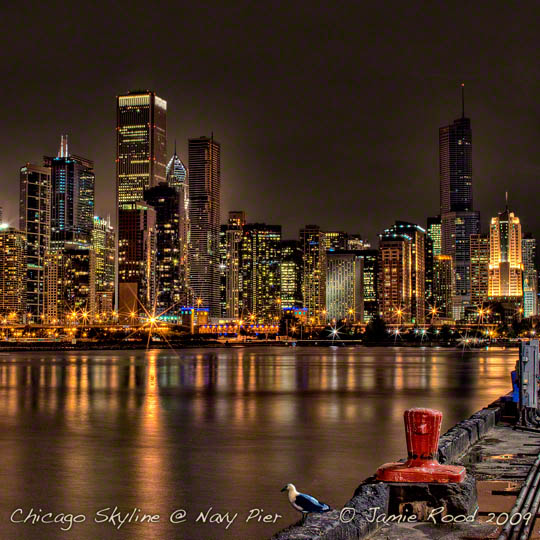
(224, 429)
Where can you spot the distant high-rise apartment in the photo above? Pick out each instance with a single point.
(72, 197)
(530, 276)
(35, 222)
(230, 263)
(171, 292)
(434, 233)
(505, 259)
(335, 240)
(102, 268)
(204, 155)
(13, 270)
(141, 144)
(314, 285)
(417, 236)
(136, 259)
(370, 271)
(442, 286)
(260, 272)
(458, 219)
(291, 274)
(433, 249)
(479, 269)
(344, 287)
(178, 178)
(394, 281)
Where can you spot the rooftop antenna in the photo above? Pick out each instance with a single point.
(506, 197)
(175, 147)
(462, 100)
(63, 152)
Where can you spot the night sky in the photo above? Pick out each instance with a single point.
(327, 113)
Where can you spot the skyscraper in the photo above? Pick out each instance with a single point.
(72, 197)
(394, 280)
(434, 232)
(370, 268)
(291, 274)
(136, 259)
(314, 286)
(433, 249)
(35, 222)
(334, 240)
(178, 178)
(102, 267)
(260, 272)
(204, 155)
(479, 269)
(505, 259)
(230, 264)
(13, 269)
(442, 286)
(530, 276)
(141, 144)
(344, 287)
(417, 236)
(171, 292)
(458, 219)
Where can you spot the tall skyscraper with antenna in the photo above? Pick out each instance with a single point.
(458, 219)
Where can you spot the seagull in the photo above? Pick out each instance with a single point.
(304, 503)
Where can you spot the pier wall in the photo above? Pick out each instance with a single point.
(370, 493)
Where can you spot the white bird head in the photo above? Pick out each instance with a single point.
(289, 488)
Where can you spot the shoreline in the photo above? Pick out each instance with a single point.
(8, 347)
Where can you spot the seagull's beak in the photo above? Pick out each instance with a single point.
(284, 489)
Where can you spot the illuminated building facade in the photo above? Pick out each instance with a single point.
(344, 287)
(291, 267)
(230, 260)
(314, 274)
(35, 222)
(530, 276)
(13, 271)
(171, 292)
(458, 219)
(102, 268)
(434, 233)
(417, 236)
(335, 240)
(260, 272)
(370, 271)
(442, 286)
(355, 242)
(69, 285)
(505, 259)
(204, 214)
(72, 197)
(394, 281)
(178, 178)
(141, 144)
(136, 259)
(479, 269)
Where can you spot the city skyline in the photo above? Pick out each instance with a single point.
(353, 109)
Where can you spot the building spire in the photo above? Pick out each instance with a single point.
(63, 152)
(506, 197)
(175, 147)
(462, 100)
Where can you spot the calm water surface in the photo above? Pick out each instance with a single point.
(220, 428)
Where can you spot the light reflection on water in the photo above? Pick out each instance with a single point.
(225, 428)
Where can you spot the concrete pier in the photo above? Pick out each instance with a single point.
(497, 458)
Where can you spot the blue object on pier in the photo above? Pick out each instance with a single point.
(515, 387)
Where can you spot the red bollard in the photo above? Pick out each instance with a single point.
(422, 428)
